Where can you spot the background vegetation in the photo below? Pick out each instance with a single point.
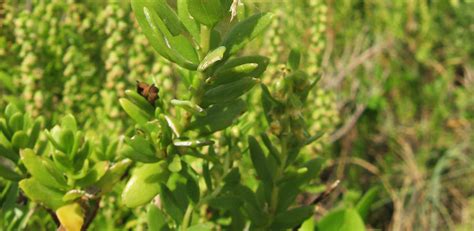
(395, 99)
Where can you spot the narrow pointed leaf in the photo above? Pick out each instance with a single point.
(188, 21)
(156, 218)
(245, 31)
(230, 91)
(7, 170)
(189, 106)
(292, 217)
(237, 68)
(136, 113)
(218, 117)
(259, 160)
(211, 58)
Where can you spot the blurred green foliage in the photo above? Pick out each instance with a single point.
(394, 101)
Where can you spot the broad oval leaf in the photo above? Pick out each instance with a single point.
(36, 191)
(342, 220)
(20, 140)
(144, 184)
(71, 216)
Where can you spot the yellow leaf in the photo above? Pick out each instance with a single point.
(71, 217)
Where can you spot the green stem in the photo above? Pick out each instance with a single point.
(197, 94)
(198, 82)
(279, 173)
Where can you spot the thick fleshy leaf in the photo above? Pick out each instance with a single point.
(169, 17)
(43, 170)
(226, 202)
(136, 113)
(15, 122)
(259, 160)
(34, 132)
(237, 68)
(53, 137)
(341, 220)
(7, 170)
(112, 176)
(129, 152)
(141, 145)
(38, 192)
(73, 195)
(20, 140)
(69, 122)
(140, 102)
(245, 31)
(189, 106)
(207, 176)
(11, 109)
(218, 117)
(156, 218)
(292, 217)
(188, 21)
(207, 12)
(271, 148)
(200, 227)
(4, 130)
(211, 58)
(175, 164)
(170, 204)
(174, 48)
(144, 184)
(71, 217)
(251, 206)
(94, 174)
(192, 189)
(230, 91)
(67, 140)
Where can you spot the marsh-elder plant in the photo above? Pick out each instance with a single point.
(223, 152)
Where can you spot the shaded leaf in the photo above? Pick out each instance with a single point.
(245, 31)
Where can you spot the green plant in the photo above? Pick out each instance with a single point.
(393, 108)
(69, 181)
(189, 161)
